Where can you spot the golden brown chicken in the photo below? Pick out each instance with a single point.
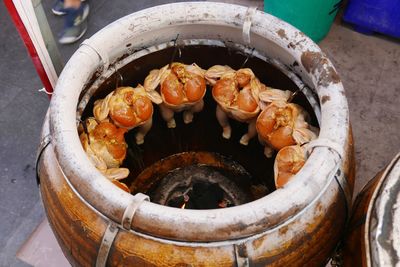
(128, 108)
(288, 162)
(237, 95)
(283, 124)
(182, 88)
(104, 143)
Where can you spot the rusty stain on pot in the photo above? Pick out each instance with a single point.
(242, 250)
(257, 243)
(328, 76)
(282, 34)
(147, 252)
(295, 64)
(283, 230)
(241, 225)
(274, 256)
(291, 45)
(316, 62)
(299, 33)
(293, 249)
(279, 215)
(207, 15)
(325, 98)
(319, 207)
(311, 60)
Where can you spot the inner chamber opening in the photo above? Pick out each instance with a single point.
(192, 166)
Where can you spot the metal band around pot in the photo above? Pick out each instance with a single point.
(44, 143)
(339, 176)
(113, 228)
(106, 243)
(99, 51)
(131, 209)
(152, 26)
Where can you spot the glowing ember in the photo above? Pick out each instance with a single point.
(185, 199)
(223, 203)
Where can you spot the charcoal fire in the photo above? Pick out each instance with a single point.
(199, 187)
(202, 195)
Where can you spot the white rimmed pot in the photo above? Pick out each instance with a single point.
(373, 236)
(297, 225)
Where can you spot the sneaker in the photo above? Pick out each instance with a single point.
(72, 34)
(75, 24)
(58, 8)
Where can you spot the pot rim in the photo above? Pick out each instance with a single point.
(382, 228)
(159, 24)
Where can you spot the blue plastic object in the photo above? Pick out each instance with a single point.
(370, 16)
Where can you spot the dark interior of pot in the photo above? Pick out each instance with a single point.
(193, 166)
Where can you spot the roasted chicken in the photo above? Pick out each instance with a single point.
(236, 93)
(283, 124)
(128, 108)
(104, 143)
(182, 88)
(288, 162)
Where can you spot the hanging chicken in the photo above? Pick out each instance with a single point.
(104, 143)
(283, 124)
(288, 162)
(182, 88)
(236, 93)
(128, 108)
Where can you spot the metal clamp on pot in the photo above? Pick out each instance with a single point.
(339, 175)
(113, 228)
(99, 51)
(247, 24)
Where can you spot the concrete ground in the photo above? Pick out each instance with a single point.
(368, 66)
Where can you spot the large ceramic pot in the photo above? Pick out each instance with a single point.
(373, 235)
(97, 223)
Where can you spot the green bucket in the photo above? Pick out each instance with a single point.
(313, 17)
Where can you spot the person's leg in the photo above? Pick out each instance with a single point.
(75, 21)
(58, 7)
(72, 4)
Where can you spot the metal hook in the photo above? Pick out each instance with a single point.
(44, 143)
(294, 94)
(119, 77)
(176, 48)
(247, 58)
(304, 144)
